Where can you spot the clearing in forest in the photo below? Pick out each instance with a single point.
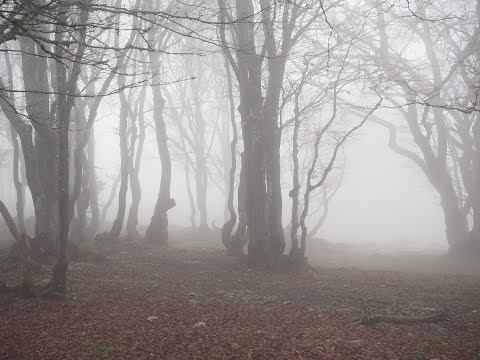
(144, 302)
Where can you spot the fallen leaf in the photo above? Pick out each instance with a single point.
(199, 324)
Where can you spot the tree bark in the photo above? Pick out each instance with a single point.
(124, 160)
(19, 188)
(230, 224)
(93, 193)
(42, 154)
(191, 201)
(157, 231)
(80, 198)
(260, 130)
(12, 227)
(65, 99)
(109, 202)
(136, 190)
(240, 238)
(294, 193)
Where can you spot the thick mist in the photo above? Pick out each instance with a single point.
(384, 202)
(264, 129)
(240, 179)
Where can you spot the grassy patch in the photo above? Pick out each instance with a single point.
(85, 254)
(93, 256)
(90, 349)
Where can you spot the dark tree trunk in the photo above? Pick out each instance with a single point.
(93, 193)
(80, 198)
(109, 202)
(42, 156)
(456, 227)
(12, 227)
(65, 99)
(321, 219)
(186, 158)
(19, 187)
(251, 100)
(132, 220)
(474, 192)
(82, 204)
(157, 231)
(294, 193)
(230, 224)
(124, 160)
(260, 131)
(240, 239)
(201, 191)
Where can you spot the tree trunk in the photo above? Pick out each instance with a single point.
(124, 160)
(294, 193)
(93, 193)
(19, 187)
(321, 219)
(157, 231)
(80, 198)
(65, 99)
(12, 227)
(132, 220)
(82, 204)
(475, 195)
(248, 72)
(456, 228)
(43, 154)
(201, 191)
(191, 201)
(200, 169)
(240, 239)
(230, 224)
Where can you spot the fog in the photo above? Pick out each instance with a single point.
(260, 134)
(384, 202)
(239, 179)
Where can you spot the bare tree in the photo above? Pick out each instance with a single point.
(259, 114)
(158, 229)
(426, 98)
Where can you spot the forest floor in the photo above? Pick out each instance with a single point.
(144, 302)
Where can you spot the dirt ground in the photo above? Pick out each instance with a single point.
(144, 302)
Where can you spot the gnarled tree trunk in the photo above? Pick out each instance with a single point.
(132, 220)
(157, 231)
(124, 160)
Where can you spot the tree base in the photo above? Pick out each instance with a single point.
(469, 249)
(157, 232)
(235, 244)
(59, 276)
(105, 238)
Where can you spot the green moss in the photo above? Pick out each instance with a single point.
(91, 255)
(91, 349)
